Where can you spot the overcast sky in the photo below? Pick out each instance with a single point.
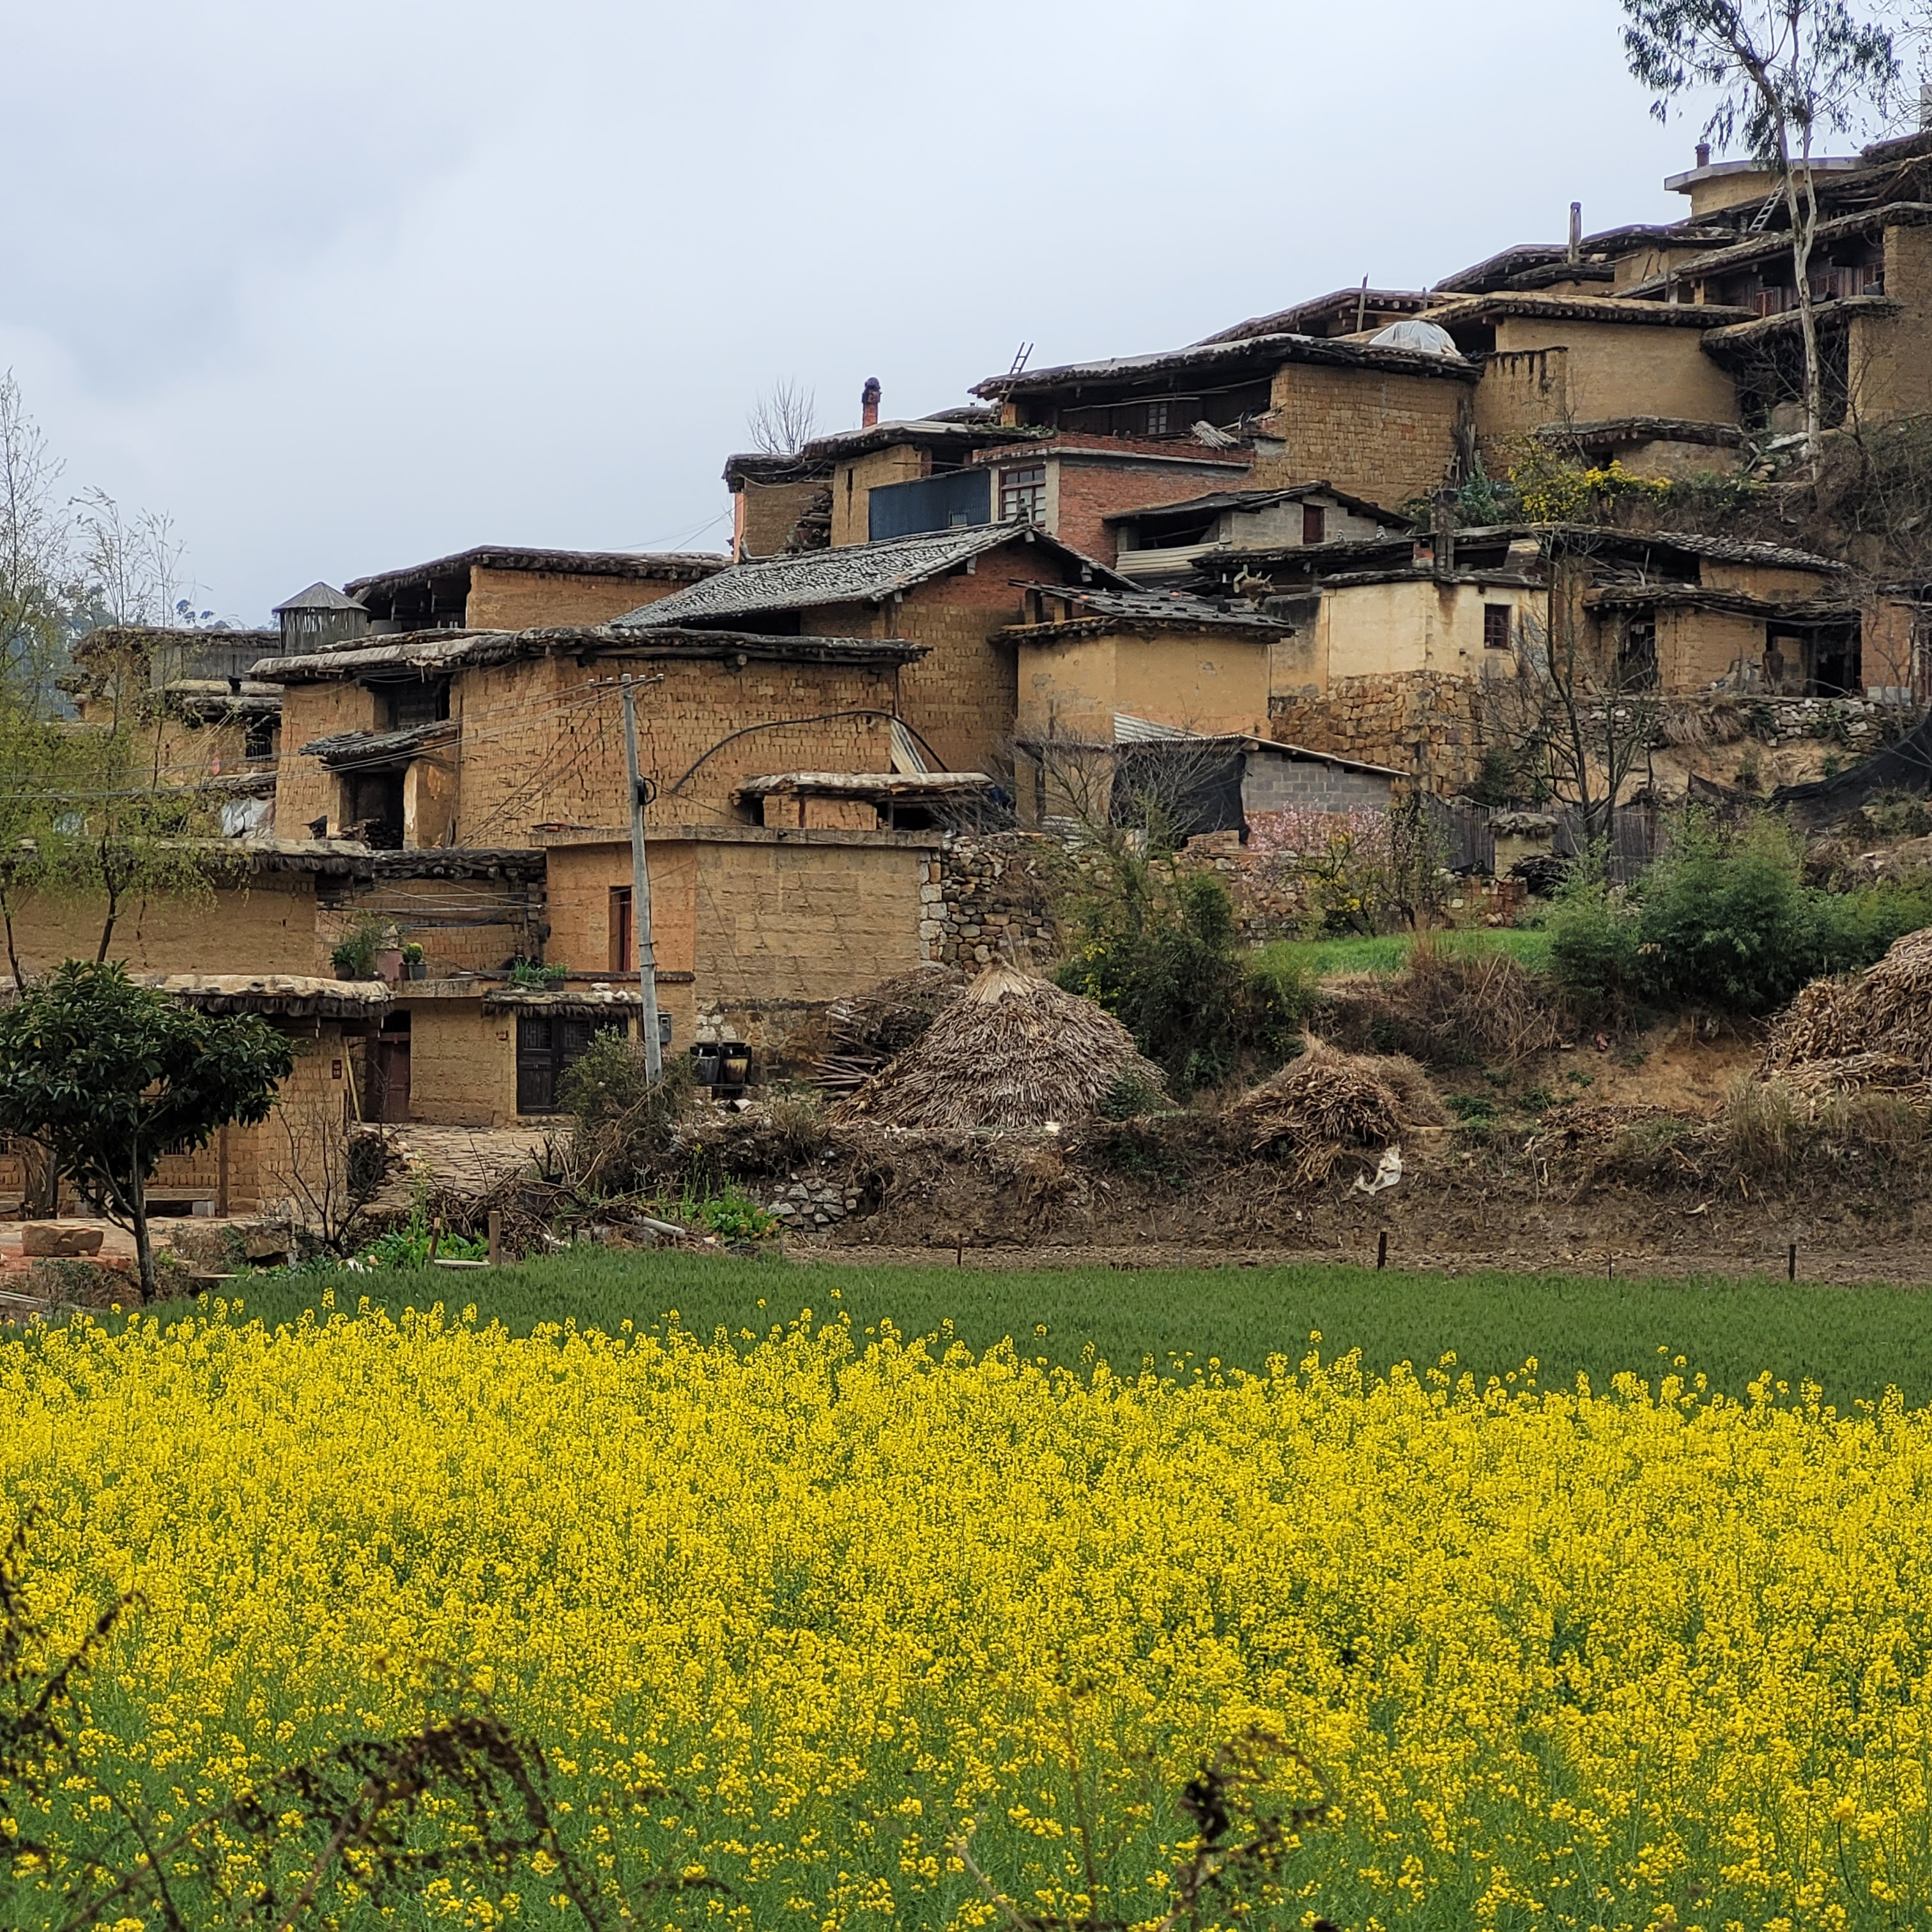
(343, 287)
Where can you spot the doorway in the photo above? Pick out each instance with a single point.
(391, 1099)
(548, 1045)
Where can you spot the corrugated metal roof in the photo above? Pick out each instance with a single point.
(319, 596)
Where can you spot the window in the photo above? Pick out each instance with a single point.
(1496, 627)
(425, 703)
(259, 738)
(623, 931)
(1637, 657)
(1314, 524)
(1023, 495)
(1156, 418)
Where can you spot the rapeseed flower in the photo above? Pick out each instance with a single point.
(815, 1630)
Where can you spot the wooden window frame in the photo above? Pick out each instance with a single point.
(1028, 483)
(1492, 614)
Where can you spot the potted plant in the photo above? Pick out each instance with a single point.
(354, 954)
(415, 966)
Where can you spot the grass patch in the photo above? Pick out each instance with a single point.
(1855, 1342)
(1389, 952)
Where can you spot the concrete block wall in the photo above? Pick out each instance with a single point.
(1273, 783)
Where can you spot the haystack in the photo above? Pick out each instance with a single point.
(1012, 1051)
(864, 1030)
(1886, 1012)
(1328, 1104)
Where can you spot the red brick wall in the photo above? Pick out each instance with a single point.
(1090, 491)
(960, 697)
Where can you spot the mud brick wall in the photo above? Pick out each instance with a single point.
(1888, 370)
(1420, 722)
(1386, 437)
(305, 790)
(301, 1146)
(768, 513)
(991, 897)
(781, 920)
(463, 925)
(1089, 493)
(542, 745)
(266, 925)
(525, 600)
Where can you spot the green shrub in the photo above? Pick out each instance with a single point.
(1593, 939)
(1724, 919)
(1174, 975)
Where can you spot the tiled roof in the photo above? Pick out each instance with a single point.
(647, 564)
(850, 574)
(291, 993)
(1260, 499)
(1154, 607)
(434, 653)
(1261, 352)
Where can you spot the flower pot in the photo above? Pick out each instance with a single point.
(415, 969)
(389, 963)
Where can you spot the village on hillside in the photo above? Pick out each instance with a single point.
(1528, 558)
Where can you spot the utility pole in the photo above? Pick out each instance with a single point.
(640, 895)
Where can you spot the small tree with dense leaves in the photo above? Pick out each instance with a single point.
(1781, 72)
(110, 1076)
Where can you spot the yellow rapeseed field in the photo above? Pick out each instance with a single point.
(828, 1631)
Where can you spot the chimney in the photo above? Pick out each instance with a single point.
(1703, 154)
(868, 403)
(1576, 232)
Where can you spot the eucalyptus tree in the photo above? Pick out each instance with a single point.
(1779, 73)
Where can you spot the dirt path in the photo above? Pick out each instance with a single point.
(1891, 1265)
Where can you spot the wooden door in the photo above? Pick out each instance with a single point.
(392, 1077)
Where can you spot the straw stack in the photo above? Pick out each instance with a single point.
(1328, 1104)
(1886, 1013)
(1012, 1051)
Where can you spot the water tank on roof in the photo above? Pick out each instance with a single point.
(1419, 338)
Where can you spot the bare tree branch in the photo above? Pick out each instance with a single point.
(781, 421)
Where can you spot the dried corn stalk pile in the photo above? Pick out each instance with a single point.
(867, 1029)
(1012, 1051)
(1328, 1105)
(1872, 1031)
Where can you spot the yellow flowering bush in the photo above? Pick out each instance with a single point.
(822, 1630)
